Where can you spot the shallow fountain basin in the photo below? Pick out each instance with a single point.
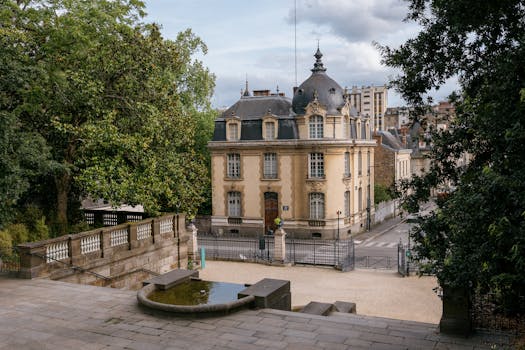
(193, 296)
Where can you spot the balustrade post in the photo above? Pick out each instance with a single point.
(106, 243)
(156, 231)
(133, 240)
(32, 260)
(75, 253)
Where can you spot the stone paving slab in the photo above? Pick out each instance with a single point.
(43, 314)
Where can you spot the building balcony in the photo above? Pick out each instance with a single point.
(316, 223)
(234, 221)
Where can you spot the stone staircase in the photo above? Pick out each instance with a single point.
(337, 309)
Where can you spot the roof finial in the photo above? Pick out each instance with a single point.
(318, 65)
(246, 91)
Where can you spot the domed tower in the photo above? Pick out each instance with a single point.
(308, 161)
(321, 88)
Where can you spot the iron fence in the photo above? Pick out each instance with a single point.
(337, 253)
(237, 248)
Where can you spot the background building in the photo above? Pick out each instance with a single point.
(371, 101)
(306, 160)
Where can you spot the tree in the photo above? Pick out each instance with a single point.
(476, 237)
(117, 104)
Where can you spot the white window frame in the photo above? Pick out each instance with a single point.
(347, 204)
(359, 163)
(316, 166)
(233, 131)
(269, 131)
(316, 201)
(234, 166)
(234, 204)
(347, 173)
(316, 127)
(270, 166)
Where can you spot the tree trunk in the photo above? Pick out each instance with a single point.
(62, 182)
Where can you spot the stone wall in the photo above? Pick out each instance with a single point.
(118, 256)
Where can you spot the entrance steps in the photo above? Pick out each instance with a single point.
(328, 309)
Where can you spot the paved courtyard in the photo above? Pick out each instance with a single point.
(381, 293)
(43, 314)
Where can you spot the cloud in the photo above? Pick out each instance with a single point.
(355, 21)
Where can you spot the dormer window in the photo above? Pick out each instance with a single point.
(269, 130)
(316, 127)
(233, 131)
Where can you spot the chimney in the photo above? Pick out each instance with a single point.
(261, 92)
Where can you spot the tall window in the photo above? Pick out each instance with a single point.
(270, 166)
(234, 204)
(347, 164)
(270, 130)
(347, 204)
(234, 165)
(316, 161)
(316, 206)
(368, 163)
(360, 200)
(316, 127)
(359, 163)
(233, 131)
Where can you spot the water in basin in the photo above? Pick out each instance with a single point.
(196, 292)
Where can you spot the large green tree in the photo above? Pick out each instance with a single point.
(117, 104)
(476, 237)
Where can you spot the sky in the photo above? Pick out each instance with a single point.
(254, 40)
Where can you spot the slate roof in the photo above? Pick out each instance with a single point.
(329, 92)
(254, 107)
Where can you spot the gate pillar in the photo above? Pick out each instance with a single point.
(279, 253)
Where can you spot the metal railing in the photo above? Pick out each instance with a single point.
(336, 253)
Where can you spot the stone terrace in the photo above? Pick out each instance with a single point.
(44, 314)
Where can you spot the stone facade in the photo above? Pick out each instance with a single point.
(118, 256)
(308, 161)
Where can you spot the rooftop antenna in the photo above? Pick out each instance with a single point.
(295, 38)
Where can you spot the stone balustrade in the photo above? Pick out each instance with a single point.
(156, 244)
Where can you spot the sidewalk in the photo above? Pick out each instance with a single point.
(380, 229)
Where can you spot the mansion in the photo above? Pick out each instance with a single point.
(308, 160)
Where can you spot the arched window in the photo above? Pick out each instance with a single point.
(316, 206)
(315, 125)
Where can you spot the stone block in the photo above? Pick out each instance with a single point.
(317, 308)
(171, 278)
(344, 306)
(270, 293)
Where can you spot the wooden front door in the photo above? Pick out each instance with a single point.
(271, 211)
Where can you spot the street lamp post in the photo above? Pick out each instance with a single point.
(338, 214)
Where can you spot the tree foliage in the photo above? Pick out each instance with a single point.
(476, 236)
(117, 106)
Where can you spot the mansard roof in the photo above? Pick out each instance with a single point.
(254, 107)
